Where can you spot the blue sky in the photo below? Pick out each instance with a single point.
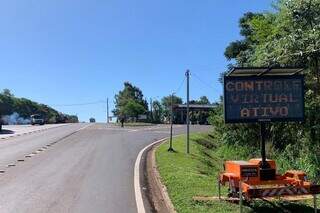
(65, 52)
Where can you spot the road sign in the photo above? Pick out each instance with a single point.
(263, 98)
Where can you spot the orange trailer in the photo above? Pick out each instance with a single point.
(245, 181)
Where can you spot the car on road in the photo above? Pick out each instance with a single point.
(37, 119)
(92, 120)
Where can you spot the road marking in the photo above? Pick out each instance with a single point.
(41, 149)
(82, 128)
(137, 186)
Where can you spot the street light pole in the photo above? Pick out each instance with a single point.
(188, 118)
(107, 110)
(171, 124)
(151, 113)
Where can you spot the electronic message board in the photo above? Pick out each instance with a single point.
(263, 98)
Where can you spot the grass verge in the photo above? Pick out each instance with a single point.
(196, 175)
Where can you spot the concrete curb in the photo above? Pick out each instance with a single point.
(159, 194)
(136, 179)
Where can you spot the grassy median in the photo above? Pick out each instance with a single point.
(196, 175)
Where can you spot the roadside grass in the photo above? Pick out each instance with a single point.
(196, 175)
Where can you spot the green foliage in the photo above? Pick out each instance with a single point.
(203, 100)
(7, 92)
(200, 117)
(242, 50)
(25, 107)
(129, 102)
(166, 103)
(157, 112)
(133, 109)
(195, 117)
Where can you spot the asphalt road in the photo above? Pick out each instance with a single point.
(17, 130)
(74, 168)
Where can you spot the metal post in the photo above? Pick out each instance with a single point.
(263, 145)
(188, 118)
(107, 110)
(171, 123)
(151, 114)
(315, 203)
(219, 188)
(240, 196)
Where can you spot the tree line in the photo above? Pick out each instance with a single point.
(9, 105)
(131, 105)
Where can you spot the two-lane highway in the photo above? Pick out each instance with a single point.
(74, 168)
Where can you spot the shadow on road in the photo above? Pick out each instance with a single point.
(6, 131)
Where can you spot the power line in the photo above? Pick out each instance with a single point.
(203, 82)
(180, 86)
(208, 86)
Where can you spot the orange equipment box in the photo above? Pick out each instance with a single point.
(243, 169)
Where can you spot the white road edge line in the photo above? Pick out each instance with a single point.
(137, 187)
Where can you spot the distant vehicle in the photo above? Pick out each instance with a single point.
(92, 120)
(0, 124)
(37, 119)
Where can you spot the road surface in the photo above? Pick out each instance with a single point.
(18, 130)
(74, 168)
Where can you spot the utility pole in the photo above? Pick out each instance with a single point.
(151, 115)
(171, 124)
(188, 118)
(107, 110)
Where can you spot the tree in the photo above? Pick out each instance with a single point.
(157, 113)
(166, 103)
(25, 107)
(129, 102)
(132, 109)
(241, 50)
(203, 100)
(200, 117)
(7, 92)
